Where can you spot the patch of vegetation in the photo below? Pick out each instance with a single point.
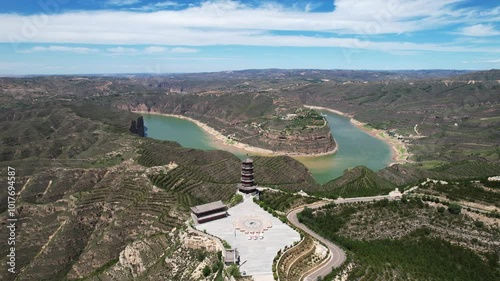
(234, 270)
(206, 271)
(282, 201)
(419, 254)
(454, 209)
(418, 257)
(466, 190)
(236, 199)
(226, 244)
(468, 169)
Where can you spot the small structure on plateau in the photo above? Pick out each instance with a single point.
(208, 212)
(395, 194)
(232, 256)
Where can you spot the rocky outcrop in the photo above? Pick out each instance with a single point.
(315, 141)
(133, 127)
(137, 127)
(140, 126)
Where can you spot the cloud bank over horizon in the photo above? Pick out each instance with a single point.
(344, 32)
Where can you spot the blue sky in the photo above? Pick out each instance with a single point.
(145, 36)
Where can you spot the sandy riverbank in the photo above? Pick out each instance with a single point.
(399, 150)
(223, 142)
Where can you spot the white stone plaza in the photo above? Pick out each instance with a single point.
(255, 233)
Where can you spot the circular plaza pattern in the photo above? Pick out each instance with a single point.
(252, 224)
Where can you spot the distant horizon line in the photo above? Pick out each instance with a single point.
(240, 70)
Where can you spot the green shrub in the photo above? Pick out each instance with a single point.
(206, 271)
(226, 245)
(215, 267)
(201, 256)
(237, 198)
(441, 209)
(478, 223)
(234, 270)
(454, 208)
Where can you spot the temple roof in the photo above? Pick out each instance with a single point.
(212, 206)
(248, 160)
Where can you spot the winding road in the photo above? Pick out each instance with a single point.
(337, 255)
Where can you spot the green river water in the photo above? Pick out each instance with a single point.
(355, 147)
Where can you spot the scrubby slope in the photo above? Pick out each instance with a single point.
(357, 182)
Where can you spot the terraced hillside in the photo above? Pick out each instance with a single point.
(455, 170)
(95, 201)
(206, 176)
(87, 207)
(456, 115)
(357, 182)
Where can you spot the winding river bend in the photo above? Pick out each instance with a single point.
(355, 147)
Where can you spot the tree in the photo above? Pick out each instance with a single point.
(305, 214)
(441, 209)
(234, 270)
(206, 271)
(215, 267)
(454, 208)
(201, 256)
(492, 258)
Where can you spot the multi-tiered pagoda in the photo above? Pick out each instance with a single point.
(247, 184)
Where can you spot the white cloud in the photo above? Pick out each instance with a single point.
(155, 49)
(137, 51)
(157, 6)
(121, 2)
(494, 61)
(122, 50)
(80, 50)
(227, 22)
(183, 50)
(149, 50)
(479, 30)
